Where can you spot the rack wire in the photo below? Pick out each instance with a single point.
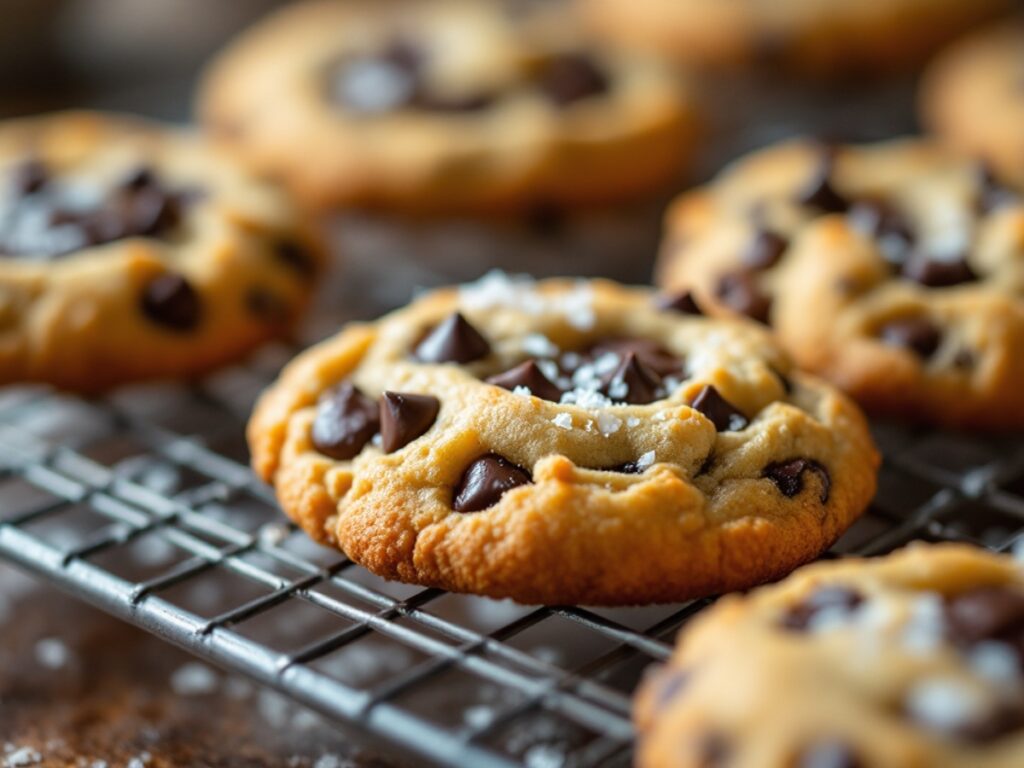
(142, 503)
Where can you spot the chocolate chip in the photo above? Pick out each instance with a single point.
(528, 375)
(880, 220)
(29, 177)
(647, 351)
(1001, 720)
(632, 382)
(454, 340)
(147, 212)
(788, 476)
(485, 481)
(819, 192)
(987, 613)
(346, 420)
(169, 300)
(267, 306)
(684, 303)
(404, 417)
(787, 385)
(918, 334)
(937, 272)
(828, 753)
(739, 291)
(765, 250)
(570, 77)
(139, 177)
(296, 257)
(831, 598)
(724, 415)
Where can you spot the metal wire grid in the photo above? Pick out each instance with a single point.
(142, 504)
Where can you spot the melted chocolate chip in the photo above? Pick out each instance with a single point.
(788, 476)
(987, 613)
(819, 191)
(918, 334)
(528, 375)
(170, 300)
(346, 420)
(937, 272)
(632, 382)
(830, 598)
(570, 77)
(684, 303)
(454, 340)
(404, 417)
(764, 250)
(28, 177)
(828, 754)
(724, 415)
(739, 291)
(485, 481)
(296, 257)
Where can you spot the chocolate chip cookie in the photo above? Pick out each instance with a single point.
(896, 270)
(130, 251)
(914, 659)
(973, 97)
(563, 441)
(445, 106)
(819, 39)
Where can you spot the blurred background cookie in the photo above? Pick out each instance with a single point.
(445, 105)
(132, 251)
(973, 97)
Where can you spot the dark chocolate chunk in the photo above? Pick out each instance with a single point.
(346, 420)
(170, 300)
(987, 613)
(29, 177)
(938, 272)
(819, 191)
(404, 417)
(739, 291)
(295, 256)
(724, 415)
(570, 77)
(485, 481)
(918, 334)
(139, 177)
(788, 476)
(632, 382)
(528, 375)
(454, 340)
(647, 351)
(828, 753)
(764, 250)
(679, 302)
(831, 598)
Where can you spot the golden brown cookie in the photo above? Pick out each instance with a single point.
(814, 38)
(561, 442)
(444, 105)
(131, 251)
(908, 661)
(894, 270)
(973, 97)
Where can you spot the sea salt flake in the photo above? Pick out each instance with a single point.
(563, 420)
(539, 345)
(23, 756)
(645, 460)
(607, 424)
(633, 421)
(328, 761)
(944, 704)
(995, 662)
(926, 628)
(193, 679)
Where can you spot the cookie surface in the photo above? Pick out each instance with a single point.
(895, 270)
(559, 442)
(973, 97)
(444, 105)
(810, 37)
(911, 660)
(130, 251)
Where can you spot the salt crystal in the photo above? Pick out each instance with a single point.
(944, 704)
(549, 369)
(522, 391)
(497, 289)
(193, 679)
(328, 761)
(607, 424)
(562, 420)
(539, 345)
(23, 756)
(927, 626)
(633, 421)
(995, 662)
(51, 653)
(645, 460)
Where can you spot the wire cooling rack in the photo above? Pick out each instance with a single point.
(142, 503)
